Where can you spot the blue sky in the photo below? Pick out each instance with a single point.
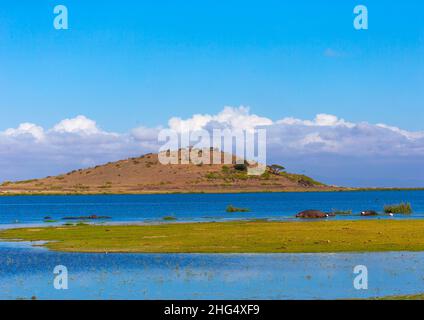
(126, 63)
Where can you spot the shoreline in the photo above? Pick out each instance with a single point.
(230, 237)
(19, 194)
(410, 297)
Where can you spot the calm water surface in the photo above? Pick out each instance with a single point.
(201, 207)
(26, 272)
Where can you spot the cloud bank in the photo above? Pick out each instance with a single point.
(327, 147)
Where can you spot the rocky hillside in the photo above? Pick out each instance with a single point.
(146, 174)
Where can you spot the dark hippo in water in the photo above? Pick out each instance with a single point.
(312, 214)
(369, 213)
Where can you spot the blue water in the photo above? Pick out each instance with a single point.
(201, 207)
(27, 273)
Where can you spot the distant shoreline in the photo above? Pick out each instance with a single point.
(10, 194)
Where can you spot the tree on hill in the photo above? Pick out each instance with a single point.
(240, 166)
(276, 169)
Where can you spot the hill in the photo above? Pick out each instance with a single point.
(146, 174)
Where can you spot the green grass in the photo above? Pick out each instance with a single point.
(169, 218)
(404, 208)
(403, 297)
(212, 175)
(232, 237)
(225, 169)
(301, 178)
(231, 208)
(25, 181)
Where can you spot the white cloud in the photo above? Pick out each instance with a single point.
(321, 119)
(79, 124)
(229, 118)
(145, 134)
(26, 129)
(315, 139)
(407, 134)
(317, 145)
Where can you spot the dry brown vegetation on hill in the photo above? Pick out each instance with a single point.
(146, 174)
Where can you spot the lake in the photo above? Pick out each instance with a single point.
(27, 271)
(201, 207)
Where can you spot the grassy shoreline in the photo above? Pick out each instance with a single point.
(231, 237)
(414, 297)
(231, 191)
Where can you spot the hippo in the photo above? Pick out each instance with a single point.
(312, 214)
(369, 213)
